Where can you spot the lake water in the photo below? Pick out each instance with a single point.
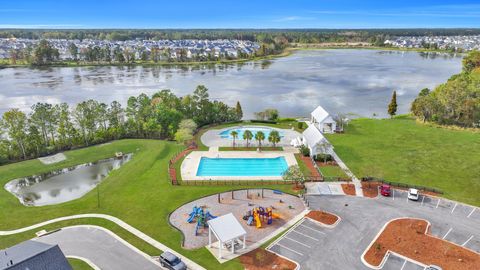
(63, 185)
(347, 81)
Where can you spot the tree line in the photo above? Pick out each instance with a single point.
(50, 128)
(456, 102)
(259, 35)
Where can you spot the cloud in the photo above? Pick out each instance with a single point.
(293, 18)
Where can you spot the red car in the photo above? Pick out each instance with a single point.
(385, 190)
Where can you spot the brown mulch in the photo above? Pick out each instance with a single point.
(323, 217)
(308, 162)
(370, 189)
(407, 237)
(260, 258)
(349, 189)
(328, 163)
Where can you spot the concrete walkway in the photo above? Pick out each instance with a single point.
(343, 166)
(190, 264)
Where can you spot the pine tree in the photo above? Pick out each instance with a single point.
(238, 111)
(392, 107)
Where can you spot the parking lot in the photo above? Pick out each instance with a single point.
(317, 247)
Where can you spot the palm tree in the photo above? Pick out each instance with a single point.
(247, 135)
(274, 137)
(234, 135)
(259, 136)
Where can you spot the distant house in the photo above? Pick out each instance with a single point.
(323, 121)
(33, 255)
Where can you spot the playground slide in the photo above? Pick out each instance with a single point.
(275, 215)
(191, 217)
(257, 221)
(210, 216)
(250, 220)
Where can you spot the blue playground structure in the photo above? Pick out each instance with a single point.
(201, 216)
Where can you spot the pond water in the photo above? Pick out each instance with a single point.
(63, 185)
(347, 81)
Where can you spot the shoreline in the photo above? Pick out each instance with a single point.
(286, 52)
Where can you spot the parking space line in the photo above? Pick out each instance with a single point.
(280, 245)
(471, 212)
(305, 235)
(454, 207)
(303, 225)
(298, 242)
(447, 233)
(438, 203)
(403, 265)
(467, 241)
(423, 198)
(393, 194)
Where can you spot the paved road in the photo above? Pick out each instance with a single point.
(317, 247)
(104, 250)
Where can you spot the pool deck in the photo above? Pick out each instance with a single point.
(212, 138)
(191, 162)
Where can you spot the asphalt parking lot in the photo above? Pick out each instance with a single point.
(104, 250)
(314, 246)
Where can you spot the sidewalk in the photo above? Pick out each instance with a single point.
(355, 180)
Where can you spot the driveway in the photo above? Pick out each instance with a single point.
(317, 247)
(100, 247)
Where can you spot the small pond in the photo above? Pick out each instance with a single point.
(63, 185)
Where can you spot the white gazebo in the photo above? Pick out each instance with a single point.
(323, 121)
(227, 230)
(315, 141)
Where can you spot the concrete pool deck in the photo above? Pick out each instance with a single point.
(191, 162)
(212, 138)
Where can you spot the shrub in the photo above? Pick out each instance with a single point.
(300, 125)
(305, 151)
(323, 157)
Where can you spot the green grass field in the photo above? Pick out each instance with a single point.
(403, 150)
(138, 193)
(332, 171)
(79, 264)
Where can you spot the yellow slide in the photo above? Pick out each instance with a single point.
(257, 219)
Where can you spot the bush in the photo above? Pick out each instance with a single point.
(263, 121)
(305, 151)
(300, 125)
(323, 157)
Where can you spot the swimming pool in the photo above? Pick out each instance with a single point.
(242, 166)
(226, 134)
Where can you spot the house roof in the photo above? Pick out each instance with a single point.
(313, 136)
(226, 227)
(320, 114)
(23, 252)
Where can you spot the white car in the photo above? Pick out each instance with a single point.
(413, 194)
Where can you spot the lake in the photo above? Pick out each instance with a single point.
(63, 185)
(342, 81)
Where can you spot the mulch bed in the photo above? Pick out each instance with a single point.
(308, 162)
(407, 237)
(328, 163)
(349, 189)
(260, 258)
(370, 189)
(323, 217)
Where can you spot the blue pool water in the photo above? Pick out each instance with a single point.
(242, 166)
(226, 133)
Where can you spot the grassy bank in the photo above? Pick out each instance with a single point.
(79, 264)
(403, 150)
(138, 193)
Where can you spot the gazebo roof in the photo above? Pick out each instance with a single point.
(226, 227)
(313, 136)
(320, 114)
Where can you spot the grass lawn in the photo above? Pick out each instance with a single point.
(266, 148)
(332, 171)
(79, 264)
(303, 167)
(403, 150)
(138, 193)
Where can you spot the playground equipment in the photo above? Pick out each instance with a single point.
(260, 214)
(201, 216)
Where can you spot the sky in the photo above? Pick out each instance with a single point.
(239, 14)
